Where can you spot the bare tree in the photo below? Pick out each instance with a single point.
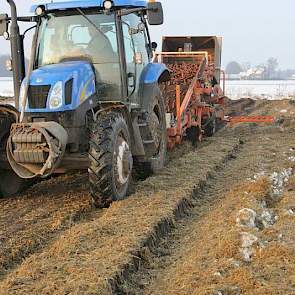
(272, 65)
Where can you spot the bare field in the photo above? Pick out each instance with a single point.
(172, 236)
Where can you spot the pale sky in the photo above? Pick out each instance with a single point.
(252, 30)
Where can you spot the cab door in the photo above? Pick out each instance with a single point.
(136, 52)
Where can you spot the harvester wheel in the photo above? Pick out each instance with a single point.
(210, 127)
(110, 159)
(194, 134)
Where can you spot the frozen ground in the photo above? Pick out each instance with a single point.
(234, 89)
(6, 87)
(261, 89)
(177, 233)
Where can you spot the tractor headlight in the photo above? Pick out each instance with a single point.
(55, 99)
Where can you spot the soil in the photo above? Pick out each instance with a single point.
(176, 234)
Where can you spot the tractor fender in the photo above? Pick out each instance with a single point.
(152, 75)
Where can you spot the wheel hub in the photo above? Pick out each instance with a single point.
(156, 131)
(124, 162)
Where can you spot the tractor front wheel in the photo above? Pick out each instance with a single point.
(110, 159)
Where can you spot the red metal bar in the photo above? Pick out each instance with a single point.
(252, 119)
(190, 92)
(178, 101)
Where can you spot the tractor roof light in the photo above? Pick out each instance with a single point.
(40, 10)
(108, 4)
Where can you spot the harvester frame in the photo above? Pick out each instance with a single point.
(191, 113)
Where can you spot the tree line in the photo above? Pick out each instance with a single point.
(270, 69)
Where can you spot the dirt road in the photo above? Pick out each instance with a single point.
(177, 234)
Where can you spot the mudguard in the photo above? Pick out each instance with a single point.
(152, 75)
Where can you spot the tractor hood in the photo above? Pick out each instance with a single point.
(60, 87)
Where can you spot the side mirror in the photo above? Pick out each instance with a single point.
(155, 13)
(154, 46)
(3, 24)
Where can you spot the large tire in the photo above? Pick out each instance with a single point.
(11, 184)
(194, 135)
(111, 161)
(5, 122)
(158, 129)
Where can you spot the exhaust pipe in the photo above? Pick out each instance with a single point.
(36, 149)
(17, 53)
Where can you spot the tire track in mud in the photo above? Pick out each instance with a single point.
(93, 257)
(31, 221)
(162, 268)
(29, 224)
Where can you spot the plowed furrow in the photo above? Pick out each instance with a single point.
(186, 262)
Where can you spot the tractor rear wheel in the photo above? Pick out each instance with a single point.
(157, 133)
(110, 159)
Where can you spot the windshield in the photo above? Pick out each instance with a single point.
(64, 37)
(70, 35)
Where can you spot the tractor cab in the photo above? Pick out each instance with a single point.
(90, 97)
(84, 50)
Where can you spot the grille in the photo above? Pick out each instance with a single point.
(37, 96)
(68, 92)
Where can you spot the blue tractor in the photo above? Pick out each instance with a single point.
(90, 98)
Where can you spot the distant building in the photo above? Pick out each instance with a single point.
(253, 74)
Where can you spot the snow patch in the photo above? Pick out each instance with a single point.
(279, 180)
(246, 218)
(247, 242)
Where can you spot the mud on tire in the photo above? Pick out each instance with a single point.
(110, 159)
(5, 122)
(10, 183)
